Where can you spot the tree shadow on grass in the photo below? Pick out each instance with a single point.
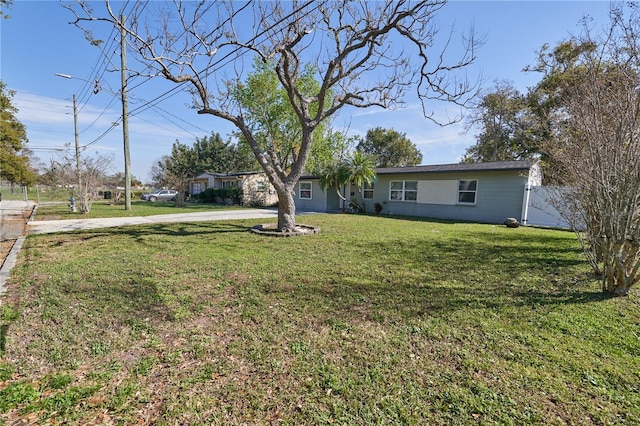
(486, 270)
(431, 299)
(109, 295)
(141, 233)
(4, 328)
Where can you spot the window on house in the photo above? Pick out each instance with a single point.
(367, 190)
(228, 183)
(403, 190)
(304, 190)
(467, 191)
(261, 186)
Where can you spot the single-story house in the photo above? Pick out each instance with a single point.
(256, 188)
(478, 192)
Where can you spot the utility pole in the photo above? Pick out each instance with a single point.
(81, 194)
(78, 171)
(125, 115)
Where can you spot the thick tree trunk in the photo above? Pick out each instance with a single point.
(85, 203)
(613, 283)
(286, 210)
(621, 267)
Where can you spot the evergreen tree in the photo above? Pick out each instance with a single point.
(390, 148)
(14, 159)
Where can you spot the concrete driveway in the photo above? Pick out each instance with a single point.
(52, 226)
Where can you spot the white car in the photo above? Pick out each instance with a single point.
(161, 195)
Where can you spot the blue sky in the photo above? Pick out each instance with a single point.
(37, 42)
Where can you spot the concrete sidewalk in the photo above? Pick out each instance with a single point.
(11, 218)
(12, 229)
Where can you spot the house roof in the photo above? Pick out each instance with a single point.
(222, 175)
(459, 167)
(432, 168)
(452, 168)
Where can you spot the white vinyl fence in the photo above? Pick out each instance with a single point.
(538, 210)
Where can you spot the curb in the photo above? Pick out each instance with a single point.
(12, 258)
(8, 265)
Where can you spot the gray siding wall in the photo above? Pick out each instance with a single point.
(499, 196)
(334, 202)
(318, 201)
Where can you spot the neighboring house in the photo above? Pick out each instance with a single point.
(477, 192)
(256, 188)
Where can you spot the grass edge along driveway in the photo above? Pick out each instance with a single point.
(373, 321)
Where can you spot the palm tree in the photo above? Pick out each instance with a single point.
(357, 168)
(362, 169)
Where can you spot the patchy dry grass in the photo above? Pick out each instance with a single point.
(374, 321)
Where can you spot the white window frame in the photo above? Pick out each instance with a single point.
(367, 191)
(301, 190)
(404, 191)
(462, 190)
(261, 186)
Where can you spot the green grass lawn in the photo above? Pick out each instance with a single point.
(373, 321)
(103, 208)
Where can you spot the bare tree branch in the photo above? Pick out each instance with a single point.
(365, 54)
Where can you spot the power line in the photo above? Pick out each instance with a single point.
(265, 31)
(43, 110)
(212, 68)
(99, 115)
(38, 102)
(176, 117)
(105, 133)
(235, 51)
(95, 74)
(48, 148)
(168, 130)
(169, 93)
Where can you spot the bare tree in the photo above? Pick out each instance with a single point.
(62, 173)
(94, 176)
(159, 173)
(599, 152)
(364, 54)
